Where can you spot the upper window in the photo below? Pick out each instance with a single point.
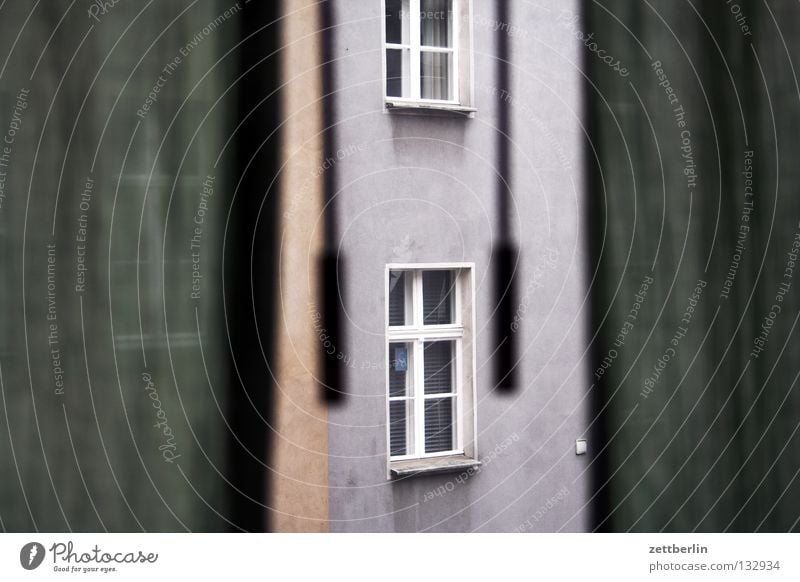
(427, 51)
(430, 371)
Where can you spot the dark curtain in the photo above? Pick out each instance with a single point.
(113, 407)
(693, 115)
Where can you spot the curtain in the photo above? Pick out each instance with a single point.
(436, 30)
(694, 124)
(112, 373)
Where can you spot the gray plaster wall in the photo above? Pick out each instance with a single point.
(422, 189)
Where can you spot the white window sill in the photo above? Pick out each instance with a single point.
(427, 466)
(406, 106)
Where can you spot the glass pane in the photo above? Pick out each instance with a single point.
(435, 75)
(438, 358)
(400, 415)
(400, 298)
(397, 73)
(436, 17)
(397, 19)
(401, 372)
(439, 425)
(437, 297)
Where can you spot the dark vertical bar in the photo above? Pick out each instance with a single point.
(251, 266)
(594, 221)
(503, 127)
(505, 252)
(331, 293)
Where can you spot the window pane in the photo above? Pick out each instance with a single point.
(436, 18)
(438, 357)
(439, 425)
(435, 75)
(401, 373)
(397, 74)
(397, 19)
(399, 298)
(400, 415)
(437, 297)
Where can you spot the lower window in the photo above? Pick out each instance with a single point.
(430, 362)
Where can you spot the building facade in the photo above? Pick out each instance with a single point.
(423, 439)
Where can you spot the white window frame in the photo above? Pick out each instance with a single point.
(460, 31)
(417, 333)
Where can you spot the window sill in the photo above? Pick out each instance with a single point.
(425, 107)
(431, 465)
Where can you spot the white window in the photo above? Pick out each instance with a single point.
(430, 355)
(428, 55)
